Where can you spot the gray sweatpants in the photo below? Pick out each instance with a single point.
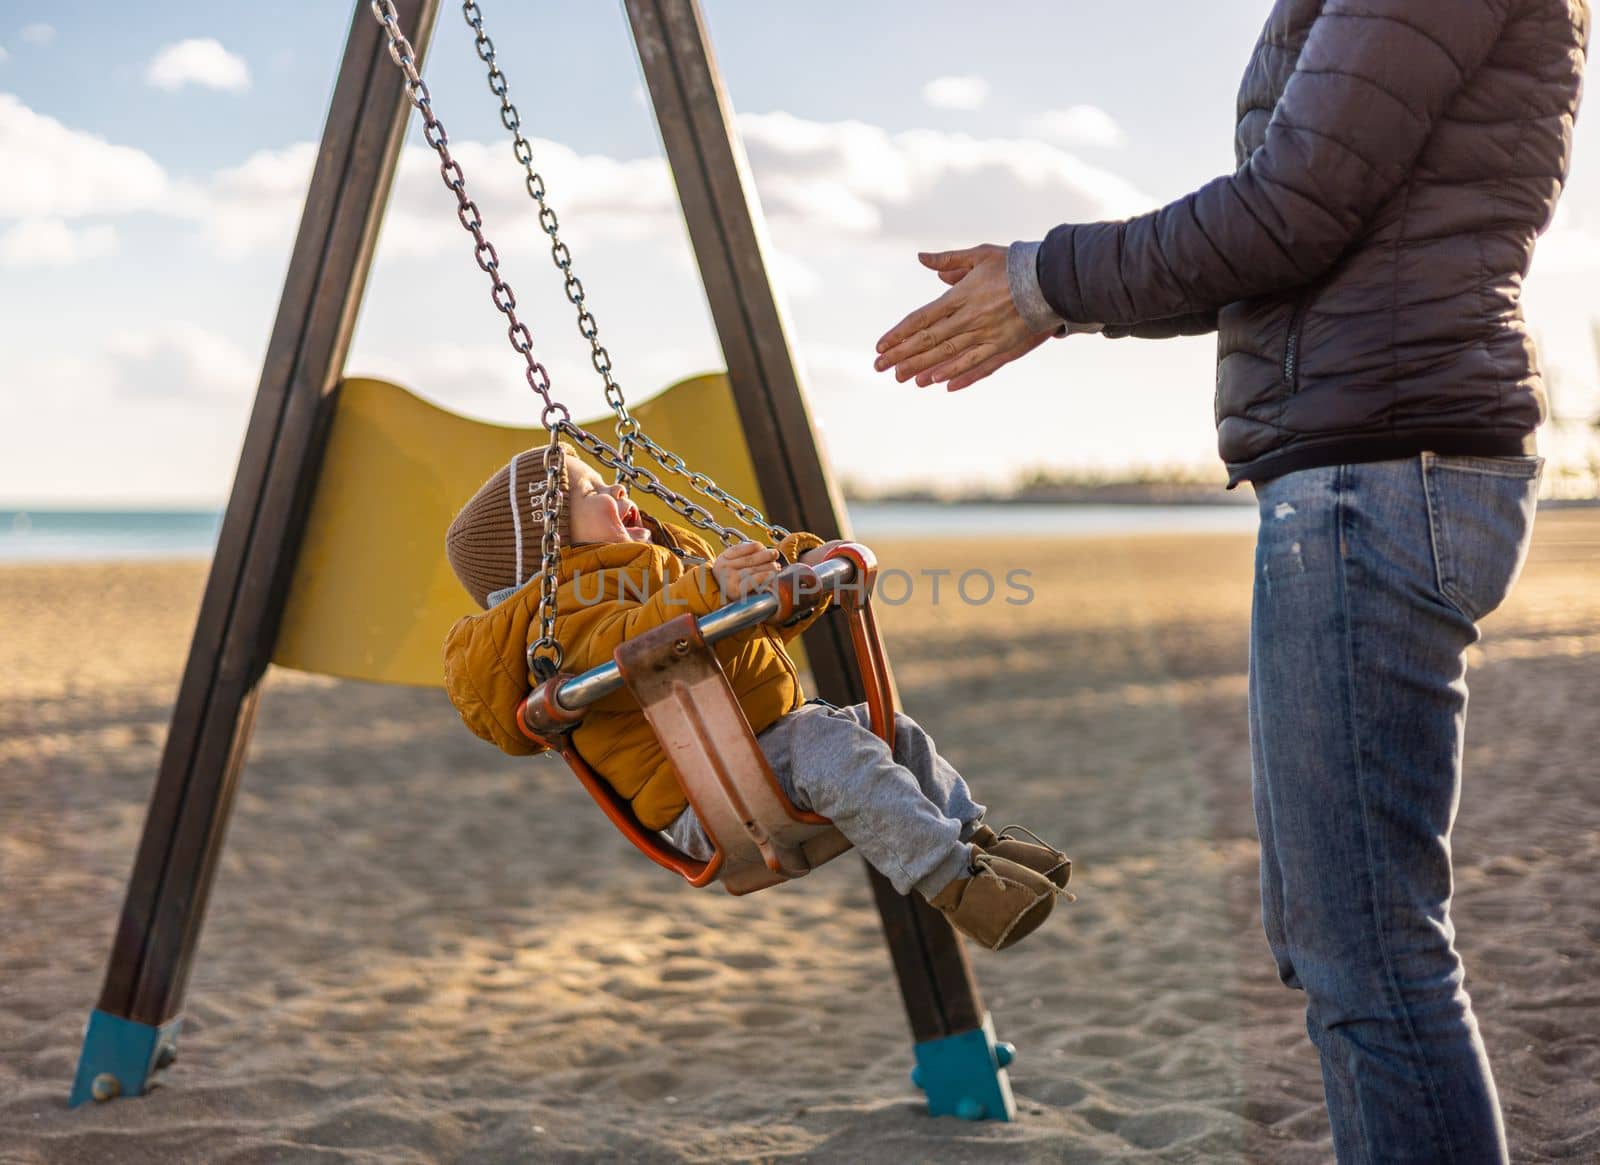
(908, 813)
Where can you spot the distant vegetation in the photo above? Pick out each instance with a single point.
(1159, 485)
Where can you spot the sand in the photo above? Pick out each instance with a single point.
(420, 950)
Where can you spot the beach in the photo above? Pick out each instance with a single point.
(419, 950)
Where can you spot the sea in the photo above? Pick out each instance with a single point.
(51, 535)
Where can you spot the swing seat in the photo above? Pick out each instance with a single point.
(759, 837)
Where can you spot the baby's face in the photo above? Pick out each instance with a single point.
(601, 512)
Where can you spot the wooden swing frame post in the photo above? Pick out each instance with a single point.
(133, 1029)
(132, 1033)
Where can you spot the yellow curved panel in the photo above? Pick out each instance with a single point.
(373, 595)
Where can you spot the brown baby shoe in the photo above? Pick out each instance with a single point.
(999, 903)
(1036, 855)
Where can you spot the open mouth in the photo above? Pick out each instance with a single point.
(633, 523)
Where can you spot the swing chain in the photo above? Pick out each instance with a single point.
(638, 477)
(744, 511)
(487, 257)
(629, 431)
(588, 327)
(546, 651)
(544, 654)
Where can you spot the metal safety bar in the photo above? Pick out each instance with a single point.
(833, 575)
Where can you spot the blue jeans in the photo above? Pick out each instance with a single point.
(908, 813)
(1369, 583)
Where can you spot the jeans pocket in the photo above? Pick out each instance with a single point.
(1480, 515)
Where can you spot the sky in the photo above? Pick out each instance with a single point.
(156, 159)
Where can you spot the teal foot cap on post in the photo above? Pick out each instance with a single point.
(120, 1056)
(964, 1075)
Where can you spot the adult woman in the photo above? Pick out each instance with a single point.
(1377, 386)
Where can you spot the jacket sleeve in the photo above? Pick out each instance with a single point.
(1370, 83)
(792, 548)
(486, 676)
(1194, 324)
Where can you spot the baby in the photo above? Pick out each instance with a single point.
(908, 812)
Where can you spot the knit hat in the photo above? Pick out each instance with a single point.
(493, 544)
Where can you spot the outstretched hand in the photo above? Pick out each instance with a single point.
(968, 332)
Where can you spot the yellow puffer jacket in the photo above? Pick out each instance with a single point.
(609, 592)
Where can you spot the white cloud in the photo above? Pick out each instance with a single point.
(956, 92)
(255, 206)
(486, 379)
(39, 34)
(198, 61)
(180, 359)
(69, 172)
(4, 56)
(464, 377)
(860, 157)
(49, 242)
(825, 199)
(76, 438)
(1079, 125)
(829, 179)
(792, 275)
(595, 197)
(860, 179)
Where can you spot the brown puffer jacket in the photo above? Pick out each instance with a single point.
(1363, 266)
(609, 592)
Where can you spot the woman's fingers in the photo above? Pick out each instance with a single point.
(961, 260)
(951, 263)
(997, 361)
(976, 313)
(943, 341)
(972, 376)
(943, 336)
(948, 352)
(921, 320)
(964, 360)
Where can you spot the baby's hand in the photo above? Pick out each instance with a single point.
(744, 568)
